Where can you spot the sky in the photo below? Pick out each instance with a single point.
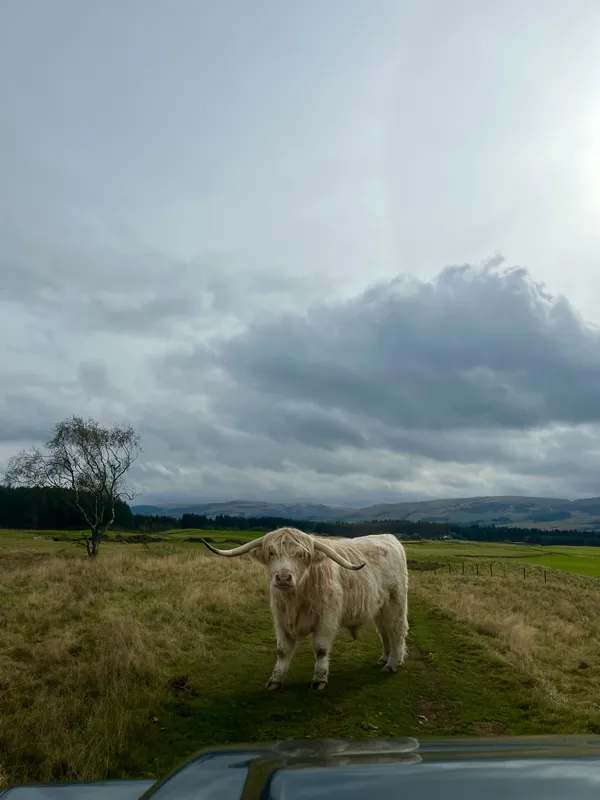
(343, 251)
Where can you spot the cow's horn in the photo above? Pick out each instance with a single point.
(237, 551)
(330, 552)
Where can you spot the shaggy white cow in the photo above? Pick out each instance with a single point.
(318, 587)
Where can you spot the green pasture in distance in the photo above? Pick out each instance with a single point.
(577, 560)
(440, 548)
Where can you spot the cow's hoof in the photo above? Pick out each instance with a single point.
(389, 668)
(318, 685)
(273, 686)
(382, 660)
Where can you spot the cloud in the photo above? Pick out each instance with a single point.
(475, 382)
(478, 381)
(477, 347)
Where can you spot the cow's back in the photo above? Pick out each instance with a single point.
(382, 552)
(367, 590)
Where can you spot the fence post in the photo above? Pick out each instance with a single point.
(544, 576)
(523, 573)
(477, 568)
(491, 573)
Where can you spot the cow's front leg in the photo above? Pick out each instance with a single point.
(286, 647)
(322, 645)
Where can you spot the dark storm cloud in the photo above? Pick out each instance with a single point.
(474, 348)
(477, 382)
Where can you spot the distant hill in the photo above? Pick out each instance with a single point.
(249, 508)
(530, 512)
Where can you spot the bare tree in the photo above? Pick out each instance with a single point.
(89, 462)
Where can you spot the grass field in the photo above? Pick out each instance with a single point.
(62, 541)
(122, 666)
(578, 560)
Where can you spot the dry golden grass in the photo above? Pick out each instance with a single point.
(88, 647)
(89, 651)
(551, 632)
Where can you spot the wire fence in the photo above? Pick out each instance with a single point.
(488, 569)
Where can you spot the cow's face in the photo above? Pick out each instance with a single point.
(287, 557)
(287, 553)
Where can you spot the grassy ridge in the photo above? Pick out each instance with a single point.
(123, 666)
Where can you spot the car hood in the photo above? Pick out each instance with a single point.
(552, 767)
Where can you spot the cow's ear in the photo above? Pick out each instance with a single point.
(258, 555)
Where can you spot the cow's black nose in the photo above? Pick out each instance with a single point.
(283, 577)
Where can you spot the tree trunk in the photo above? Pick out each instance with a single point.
(95, 543)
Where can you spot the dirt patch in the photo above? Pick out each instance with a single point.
(426, 712)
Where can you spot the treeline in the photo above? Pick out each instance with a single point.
(403, 528)
(557, 538)
(49, 509)
(222, 522)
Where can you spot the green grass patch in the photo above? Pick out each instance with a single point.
(507, 557)
(450, 685)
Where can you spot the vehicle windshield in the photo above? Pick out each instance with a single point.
(300, 377)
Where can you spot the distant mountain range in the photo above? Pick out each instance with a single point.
(248, 508)
(529, 512)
